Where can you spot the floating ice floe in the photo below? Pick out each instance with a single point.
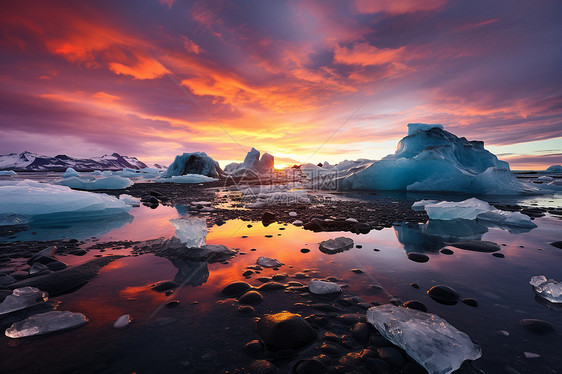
(22, 298)
(7, 172)
(319, 287)
(23, 201)
(430, 340)
(432, 159)
(45, 323)
(269, 262)
(290, 193)
(130, 200)
(548, 289)
(187, 178)
(191, 231)
(70, 172)
(107, 183)
(473, 209)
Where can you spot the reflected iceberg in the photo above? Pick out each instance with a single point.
(194, 273)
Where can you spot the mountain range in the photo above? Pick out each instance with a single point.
(28, 161)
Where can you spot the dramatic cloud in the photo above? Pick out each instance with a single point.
(304, 80)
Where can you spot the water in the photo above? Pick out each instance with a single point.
(206, 333)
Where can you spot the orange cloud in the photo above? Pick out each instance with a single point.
(364, 54)
(145, 68)
(397, 6)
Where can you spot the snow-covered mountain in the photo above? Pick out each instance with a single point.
(27, 161)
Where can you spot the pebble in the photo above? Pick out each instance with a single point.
(537, 326)
(164, 286)
(444, 295)
(418, 257)
(357, 271)
(262, 367)
(236, 289)
(414, 304)
(251, 297)
(470, 302)
(305, 250)
(446, 251)
(285, 330)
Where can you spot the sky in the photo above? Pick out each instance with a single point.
(307, 81)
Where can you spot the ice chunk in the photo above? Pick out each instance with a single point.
(475, 209)
(7, 172)
(191, 231)
(122, 321)
(70, 172)
(187, 178)
(415, 127)
(252, 165)
(45, 323)
(430, 340)
(107, 183)
(319, 287)
(420, 205)
(432, 159)
(447, 210)
(292, 214)
(548, 289)
(336, 245)
(130, 200)
(554, 169)
(41, 201)
(22, 298)
(269, 262)
(194, 163)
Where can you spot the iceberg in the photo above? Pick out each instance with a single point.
(41, 201)
(186, 178)
(432, 159)
(191, 231)
(7, 173)
(22, 298)
(554, 169)
(70, 172)
(472, 209)
(45, 323)
(107, 183)
(194, 163)
(253, 163)
(430, 340)
(130, 200)
(548, 289)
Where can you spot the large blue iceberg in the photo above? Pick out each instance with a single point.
(194, 163)
(432, 159)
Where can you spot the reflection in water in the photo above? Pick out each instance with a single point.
(435, 234)
(78, 229)
(194, 273)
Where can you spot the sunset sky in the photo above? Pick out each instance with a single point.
(306, 81)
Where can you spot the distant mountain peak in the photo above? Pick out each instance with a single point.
(29, 161)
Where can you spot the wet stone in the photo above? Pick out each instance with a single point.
(498, 255)
(330, 349)
(250, 297)
(285, 330)
(164, 286)
(446, 251)
(414, 304)
(357, 271)
(235, 289)
(444, 295)
(418, 257)
(361, 332)
(271, 286)
(247, 273)
(172, 303)
(262, 367)
(415, 285)
(305, 250)
(309, 366)
(537, 326)
(254, 348)
(246, 309)
(470, 302)
(376, 365)
(392, 355)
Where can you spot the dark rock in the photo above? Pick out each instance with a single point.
(317, 320)
(268, 217)
(250, 297)
(310, 366)
(285, 330)
(376, 365)
(444, 295)
(78, 252)
(330, 349)
(362, 228)
(477, 246)
(351, 318)
(414, 304)
(172, 303)
(413, 368)
(418, 257)
(469, 301)
(537, 326)
(392, 355)
(446, 251)
(271, 286)
(357, 271)
(66, 280)
(331, 337)
(278, 277)
(48, 252)
(236, 289)
(557, 244)
(379, 341)
(415, 285)
(164, 286)
(262, 367)
(498, 255)
(305, 250)
(247, 273)
(361, 332)
(246, 309)
(254, 348)
(264, 279)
